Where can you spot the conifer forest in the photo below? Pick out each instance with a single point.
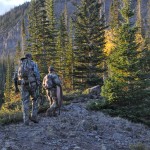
(87, 48)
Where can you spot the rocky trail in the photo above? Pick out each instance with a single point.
(76, 128)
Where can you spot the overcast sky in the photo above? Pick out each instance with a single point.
(6, 5)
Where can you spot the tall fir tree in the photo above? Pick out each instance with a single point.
(126, 83)
(18, 54)
(53, 32)
(39, 34)
(114, 14)
(32, 27)
(2, 79)
(148, 25)
(62, 48)
(23, 37)
(70, 56)
(89, 43)
(8, 83)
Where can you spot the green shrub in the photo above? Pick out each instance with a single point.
(97, 105)
(138, 146)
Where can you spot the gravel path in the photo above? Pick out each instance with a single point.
(75, 129)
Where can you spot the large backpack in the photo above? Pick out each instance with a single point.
(26, 70)
(49, 81)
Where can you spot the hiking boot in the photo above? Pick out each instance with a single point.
(34, 119)
(26, 122)
(50, 113)
(54, 114)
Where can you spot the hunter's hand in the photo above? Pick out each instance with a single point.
(38, 82)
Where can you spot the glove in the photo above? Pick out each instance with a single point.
(21, 82)
(38, 82)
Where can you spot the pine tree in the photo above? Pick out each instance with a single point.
(23, 37)
(89, 43)
(62, 48)
(148, 25)
(125, 84)
(8, 83)
(70, 55)
(39, 32)
(18, 54)
(32, 27)
(53, 31)
(114, 14)
(2, 79)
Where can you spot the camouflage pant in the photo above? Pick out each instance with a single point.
(51, 94)
(26, 92)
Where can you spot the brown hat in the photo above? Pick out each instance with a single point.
(28, 55)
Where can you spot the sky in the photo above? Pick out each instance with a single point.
(6, 5)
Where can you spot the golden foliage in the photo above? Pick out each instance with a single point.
(140, 40)
(109, 44)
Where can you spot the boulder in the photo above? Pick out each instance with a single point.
(95, 90)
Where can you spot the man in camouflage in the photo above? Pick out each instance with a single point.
(29, 87)
(51, 93)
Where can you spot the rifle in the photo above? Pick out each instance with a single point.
(16, 83)
(16, 86)
(59, 97)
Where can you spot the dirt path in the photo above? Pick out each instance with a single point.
(75, 129)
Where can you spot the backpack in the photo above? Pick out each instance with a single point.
(26, 70)
(49, 82)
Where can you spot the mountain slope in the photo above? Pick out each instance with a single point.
(76, 128)
(10, 19)
(10, 23)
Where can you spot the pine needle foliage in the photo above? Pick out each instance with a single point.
(39, 34)
(89, 43)
(127, 83)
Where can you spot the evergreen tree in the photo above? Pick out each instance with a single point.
(18, 54)
(114, 14)
(70, 56)
(39, 40)
(8, 83)
(53, 32)
(148, 25)
(62, 48)
(23, 37)
(2, 79)
(89, 43)
(125, 83)
(32, 29)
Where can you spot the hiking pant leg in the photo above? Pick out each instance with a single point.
(34, 103)
(52, 110)
(49, 97)
(25, 104)
(54, 104)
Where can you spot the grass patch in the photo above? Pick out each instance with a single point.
(11, 112)
(138, 146)
(135, 113)
(71, 95)
(10, 117)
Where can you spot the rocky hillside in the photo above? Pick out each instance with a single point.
(10, 24)
(10, 32)
(76, 128)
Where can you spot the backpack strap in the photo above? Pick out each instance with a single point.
(53, 83)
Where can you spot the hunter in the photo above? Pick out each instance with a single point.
(51, 83)
(29, 80)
